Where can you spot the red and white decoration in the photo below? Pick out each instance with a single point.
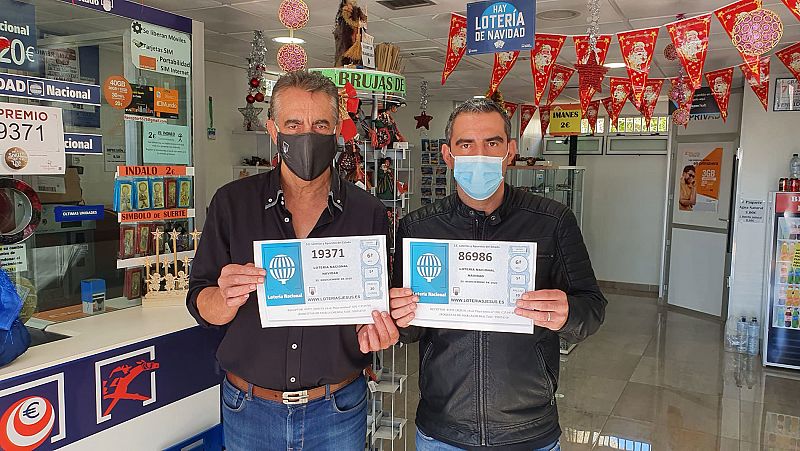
(544, 118)
(503, 62)
(511, 108)
(456, 44)
(592, 112)
(526, 114)
(790, 56)
(292, 57)
(794, 7)
(758, 81)
(650, 98)
(582, 48)
(729, 14)
(558, 81)
(757, 32)
(637, 51)
(720, 83)
(293, 14)
(690, 37)
(544, 54)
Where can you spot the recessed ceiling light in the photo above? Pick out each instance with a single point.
(614, 65)
(558, 14)
(478, 97)
(288, 40)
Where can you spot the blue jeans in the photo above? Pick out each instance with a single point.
(335, 424)
(425, 443)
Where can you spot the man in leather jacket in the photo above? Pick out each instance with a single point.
(489, 390)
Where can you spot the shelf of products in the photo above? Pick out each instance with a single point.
(561, 183)
(435, 178)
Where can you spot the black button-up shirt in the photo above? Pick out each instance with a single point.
(285, 358)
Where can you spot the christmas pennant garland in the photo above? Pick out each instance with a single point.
(637, 51)
(728, 15)
(543, 56)
(456, 44)
(650, 98)
(608, 104)
(690, 37)
(758, 80)
(620, 92)
(544, 118)
(527, 114)
(511, 108)
(582, 48)
(794, 7)
(720, 83)
(592, 112)
(503, 62)
(790, 56)
(558, 81)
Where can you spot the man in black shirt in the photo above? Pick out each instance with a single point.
(289, 387)
(490, 390)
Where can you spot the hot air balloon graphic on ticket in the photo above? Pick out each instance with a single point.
(471, 285)
(322, 281)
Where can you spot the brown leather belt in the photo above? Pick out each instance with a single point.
(289, 397)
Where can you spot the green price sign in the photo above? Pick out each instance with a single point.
(366, 80)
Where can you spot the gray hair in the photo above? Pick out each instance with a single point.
(309, 82)
(483, 105)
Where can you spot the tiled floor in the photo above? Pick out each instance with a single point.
(653, 379)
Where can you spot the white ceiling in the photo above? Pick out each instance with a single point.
(422, 34)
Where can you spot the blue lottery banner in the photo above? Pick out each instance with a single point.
(83, 144)
(429, 272)
(50, 90)
(138, 11)
(500, 26)
(284, 281)
(53, 407)
(79, 213)
(18, 36)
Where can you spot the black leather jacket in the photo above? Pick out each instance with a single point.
(487, 389)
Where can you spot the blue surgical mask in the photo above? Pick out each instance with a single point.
(479, 176)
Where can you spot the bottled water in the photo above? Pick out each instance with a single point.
(794, 166)
(753, 337)
(742, 333)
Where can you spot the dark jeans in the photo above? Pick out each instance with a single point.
(338, 423)
(425, 443)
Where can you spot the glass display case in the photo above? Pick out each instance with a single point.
(561, 183)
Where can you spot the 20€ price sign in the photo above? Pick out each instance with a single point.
(565, 120)
(31, 140)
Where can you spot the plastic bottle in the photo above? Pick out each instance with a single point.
(753, 336)
(794, 166)
(742, 333)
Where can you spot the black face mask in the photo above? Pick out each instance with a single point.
(307, 154)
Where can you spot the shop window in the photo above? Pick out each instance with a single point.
(638, 125)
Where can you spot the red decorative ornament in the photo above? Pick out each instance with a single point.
(4, 43)
(255, 82)
(293, 14)
(292, 57)
(670, 53)
(250, 98)
(681, 116)
(757, 32)
(259, 97)
(590, 81)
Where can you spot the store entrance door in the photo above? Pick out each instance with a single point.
(698, 236)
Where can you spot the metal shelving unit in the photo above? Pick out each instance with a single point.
(561, 183)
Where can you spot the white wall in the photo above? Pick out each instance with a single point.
(227, 86)
(767, 143)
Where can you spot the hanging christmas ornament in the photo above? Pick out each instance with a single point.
(255, 82)
(670, 53)
(637, 50)
(729, 14)
(423, 119)
(690, 37)
(293, 14)
(794, 7)
(292, 57)
(590, 81)
(503, 62)
(757, 32)
(250, 98)
(543, 56)
(456, 44)
(250, 114)
(681, 116)
(790, 57)
(582, 50)
(259, 97)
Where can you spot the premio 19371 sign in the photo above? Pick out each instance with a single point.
(500, 26)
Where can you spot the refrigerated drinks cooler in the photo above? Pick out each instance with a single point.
(781, 341)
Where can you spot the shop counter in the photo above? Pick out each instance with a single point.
(137, 378)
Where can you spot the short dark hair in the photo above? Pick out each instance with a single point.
(309, 82)
(688, 168)
(483, 105)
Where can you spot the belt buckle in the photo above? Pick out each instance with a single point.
(295, 397)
